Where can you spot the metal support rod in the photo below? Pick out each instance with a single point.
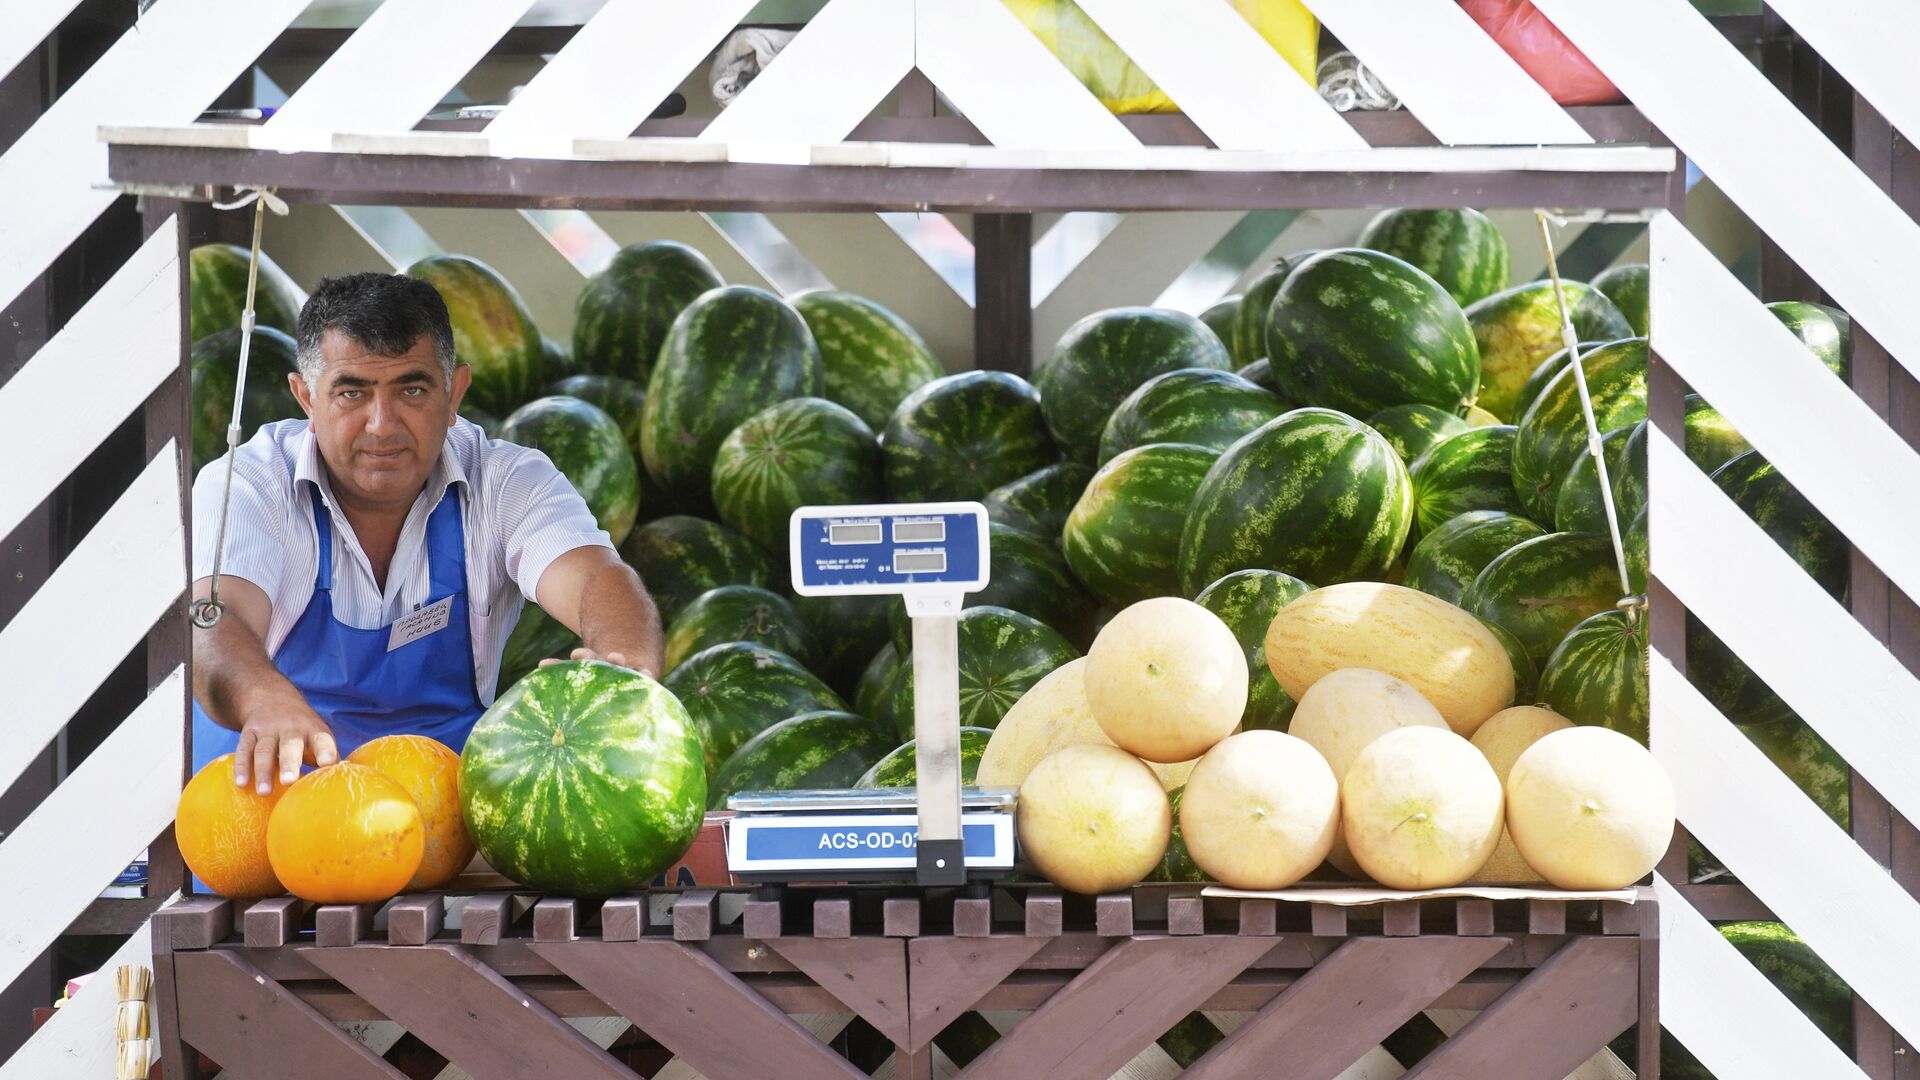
(936, 747)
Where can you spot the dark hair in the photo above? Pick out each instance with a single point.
(384, 313)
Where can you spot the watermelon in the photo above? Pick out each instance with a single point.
(1176, 864)
(1526, 673)
(1412, 429)
(1539, 589)
(1475, 416)
(623, 313)
(622, 399)
(1002, 654)
(488, 423)
(1028, 575)
(1636, 545)
(1626, 286)
(1711, 440)
(217, 291)
(1103, 357)
(1554, 432)
(1519, 328)
(1250, 322)
(1461, 249)
(801, 452)
(1123, 537)
(1579, 506)
(871, 695)
(732, 352)
(810, 751)
(1597, 675)
(1200, 406)
(739, 613)
(964, 435)
(1260, 374)
(213, 369)
(536, 636)
(586, 445)
(1630, 479)
(1826, 332)
(493, 333)
(1219, 318)
(847, 630)
(1813, 766)
(1544, 374)
(872, 359)
(1470, 471)
(1189, 1040)
(680, 557)
(556, 363)
(1247, 601)
(737, 690)
(1315, 493)
(1446, 560)
(1039, 502)
(900, 768)
(583, 779)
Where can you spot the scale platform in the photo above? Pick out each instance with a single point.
(858, 835)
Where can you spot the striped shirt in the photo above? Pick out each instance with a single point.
(520, 514)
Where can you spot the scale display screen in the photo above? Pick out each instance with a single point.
(854, 550)
(855, 532)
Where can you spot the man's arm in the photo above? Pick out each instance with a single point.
(240, 688)
(600, 598)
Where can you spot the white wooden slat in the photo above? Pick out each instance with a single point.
(1454, 78)
(123, 343)
(91, 826)
(1132, 265)
(999, 75)
(1769, 386)
(1806, 869)
(693, 229)
(1385, 159)
(381, 79)
(79, 1041)
(99, 603)
(28, 23)
(830, 77)
(315, 241)
(52, 173)
(1223, 75)
(1705, 982)
(1871, 43)
(617, 69)
(861, 254)
(1720, 110)
(520, 252)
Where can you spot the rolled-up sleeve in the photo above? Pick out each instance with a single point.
(540, 517)
(256, 548)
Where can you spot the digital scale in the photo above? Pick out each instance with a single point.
(931, 555)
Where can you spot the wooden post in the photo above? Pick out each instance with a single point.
(1003, 292)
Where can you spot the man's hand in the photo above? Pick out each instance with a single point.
(287, 735)
(619, 658)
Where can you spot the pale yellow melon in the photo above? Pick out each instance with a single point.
(1345, 711)
(1260, 810)
(1166, 679)
(1052, 715)
(1503, 738)
(1093, 818)
(1455, 662)
(1590, 808)
(1421, 809)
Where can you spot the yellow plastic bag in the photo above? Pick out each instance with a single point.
(1102, 68)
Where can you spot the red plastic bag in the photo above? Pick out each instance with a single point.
(1543, 51)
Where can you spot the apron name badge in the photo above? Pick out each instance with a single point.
(412, 627)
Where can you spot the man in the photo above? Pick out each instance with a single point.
(378, 551)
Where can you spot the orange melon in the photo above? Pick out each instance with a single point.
(345, 834)
(430, 772)
(222, 830)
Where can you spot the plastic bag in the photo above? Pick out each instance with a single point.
(1543, 51)
(740, 59)
(1102, 68)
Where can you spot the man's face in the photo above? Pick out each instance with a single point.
(380, 421)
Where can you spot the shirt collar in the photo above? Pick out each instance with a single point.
(307, 466)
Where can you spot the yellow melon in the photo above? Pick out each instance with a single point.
(1503, 738)
(1052, 715)
(1345, 711)
(1260, 810)
(1166, 679)
(1093, 818)
(1590, 808)
(1421, 809)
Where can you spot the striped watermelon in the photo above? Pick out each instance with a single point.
(556, 363)
(964, 435)
(1027, 574)
(1039, 502)
(1813, 766)
(1447, 559)
(217, 292)
(870, 696)
(1260, 374)
(1579, 507)
(1542, 375)
(1526, 673)
(847, 631)
(1219, 317)
(1250, 323)
(622, 315)
(1412, 429)
(536, 636)
(1105, 356)
(871, 357)
(1002, 654)
(1461, 249)
(1247, 601)
(1598, 673)
(482, 419)
(1554, 432)
(1630, 480)
(739, 613)
(1539, 589)
(1711, 440)
(586, 445)
(900, 769)
(493, 333)
(810, 751)
(214, 367)
(732, 352)
(1470, 471)
(1626, 286)
(1315, 493)
(803, 452)
(680, 557)
(1201, 406)
(1123, 537)
(622, 399)
(1177, 864)
(1635, 542)
(737, 690)
(1519, 328)
(1827, 332)
(584, 779)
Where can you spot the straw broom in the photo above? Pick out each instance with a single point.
(130, 1029)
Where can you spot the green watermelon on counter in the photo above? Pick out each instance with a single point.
(847, 630)
(739, 613)
(1462, 249)
(1813, 766)
(537, 636)
(1462, 473)
(622, 399)
(1315, 493)
(1526, 671)
(1630, 480)
(623, 313)
(1260, 374)
(217, 292)
(1123, 538)
(588, 448)
(1579, 506)
(1540, 589)
(680, 557)
(1028, 574)
(556, 363)
(870, 696)
(1002, 654)
(1247, 601)
(1414, 429)
(961, 436)
(1711, 440)
(493, 332)
(872, 359)
(1039, 502)
(1360, 331)
(213, 368)
(1200, 406)
(737, 690)
(1827, 332)
(1597, 675)
(583, 779)
(730, 353)
(1637, 554)
(805, 451)
(899, 769)
(1626, 286)
(1554, 432)
(1219, 318)
(1104, 357)
(1446, 560)
(1250, 322)
(1177, 864)
(1518, 329)
(1542, 375)
(810, 751)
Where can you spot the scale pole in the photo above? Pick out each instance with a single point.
(940, 851)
